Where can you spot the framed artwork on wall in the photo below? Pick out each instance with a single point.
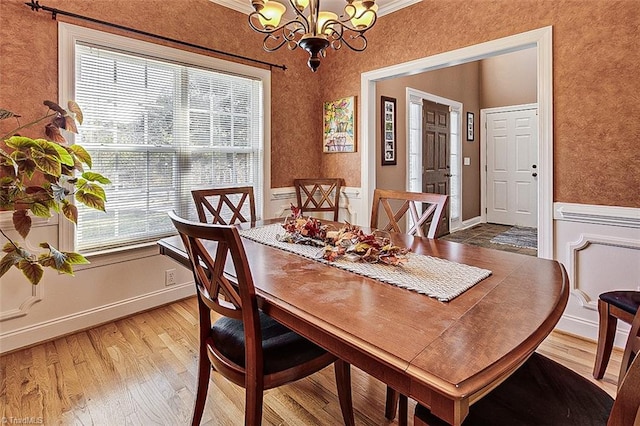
(339, 118)
(469, 126)
(388, 131)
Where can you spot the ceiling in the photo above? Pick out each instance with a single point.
(385, 6)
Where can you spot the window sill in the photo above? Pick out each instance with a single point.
(119, 255)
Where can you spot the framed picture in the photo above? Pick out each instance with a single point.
(339, 125)
(469, 126)
(388, 131)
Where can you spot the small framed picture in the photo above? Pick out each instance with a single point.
(469, 126)
(388, 131)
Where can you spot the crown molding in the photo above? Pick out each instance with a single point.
(390, 6)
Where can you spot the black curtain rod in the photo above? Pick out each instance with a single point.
(35, 6)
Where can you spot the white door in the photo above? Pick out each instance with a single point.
(512, 161)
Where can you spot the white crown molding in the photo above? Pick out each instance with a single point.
(244, 6)
(627, 217)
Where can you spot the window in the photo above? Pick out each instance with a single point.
(159, 126)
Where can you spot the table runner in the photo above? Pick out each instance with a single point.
(438, 278)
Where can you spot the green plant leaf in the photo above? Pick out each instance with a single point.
(58, 257)
(75, 108)
(82, 154)
(40, 210)
(90, 200)
(32, 270)
(70, 211)
(96, 177)
(76, 258)
(48, 164)
(8, 247)
(4, 114)
(92, 188)
(7, 261)
(20, 142)
(22, 222)
(65, 157)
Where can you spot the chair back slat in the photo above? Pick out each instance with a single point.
(433, 206)
(225, 206)
(215, 290)
(626, 407)
(318, 195)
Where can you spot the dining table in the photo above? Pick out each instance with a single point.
(444, 354)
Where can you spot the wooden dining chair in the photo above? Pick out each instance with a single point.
(225, 206)
(612, 306)
(245, 346)
(433, 207)
(543, 392)
(318, 195)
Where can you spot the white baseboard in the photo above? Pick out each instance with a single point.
(469, 223)
(57, 327)
(589, 329)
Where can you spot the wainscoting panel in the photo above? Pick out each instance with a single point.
(600, 248)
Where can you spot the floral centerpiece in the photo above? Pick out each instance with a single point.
(349, 241)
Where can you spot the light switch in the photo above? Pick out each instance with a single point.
(467, 161)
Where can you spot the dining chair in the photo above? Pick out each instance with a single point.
(434, 206)
(245, 345)
(318, 195)
(543, 392)
(225, 206)
(612, 306)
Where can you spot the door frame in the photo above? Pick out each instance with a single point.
(541, 39)
(483, 152)
(454, 106)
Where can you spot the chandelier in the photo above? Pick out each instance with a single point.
(312, 29)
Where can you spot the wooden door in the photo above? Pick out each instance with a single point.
(436, 172)
(512, 167)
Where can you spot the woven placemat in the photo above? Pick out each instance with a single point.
(432, 276)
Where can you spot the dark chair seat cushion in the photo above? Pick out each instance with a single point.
(281, 347)
(627, 300)
(541, 392)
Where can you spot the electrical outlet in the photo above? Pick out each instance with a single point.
(170, 277)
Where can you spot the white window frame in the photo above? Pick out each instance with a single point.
(69, 35)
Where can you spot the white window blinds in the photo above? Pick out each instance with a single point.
(157, 130)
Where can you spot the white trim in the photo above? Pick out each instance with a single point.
(542, 40)
(244, 6)
(454, 106)
(470, 223)
(57, 327)
(627, 217)
(69, 35)
(574, 249)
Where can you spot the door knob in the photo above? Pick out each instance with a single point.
(448, 174)
(534, 174)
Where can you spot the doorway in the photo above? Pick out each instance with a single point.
(539, 39)
(509, 167)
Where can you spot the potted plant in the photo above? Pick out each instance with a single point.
(37, 177)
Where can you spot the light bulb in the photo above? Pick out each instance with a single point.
(361, 18)
(271, 14)
(323, 17)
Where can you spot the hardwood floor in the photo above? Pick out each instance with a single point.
(141, 370)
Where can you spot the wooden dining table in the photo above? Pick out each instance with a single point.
(444, 355)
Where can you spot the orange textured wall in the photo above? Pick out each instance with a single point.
(29, 67)
(595, 60)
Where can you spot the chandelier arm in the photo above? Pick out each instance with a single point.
(340, 38)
